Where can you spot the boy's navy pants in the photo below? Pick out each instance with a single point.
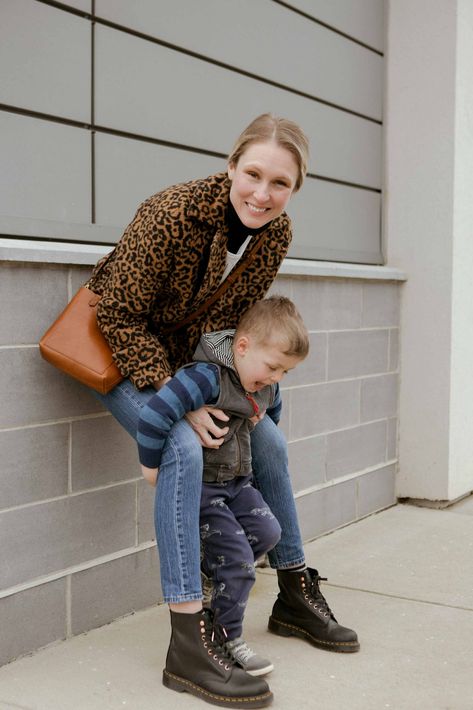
(236, 528)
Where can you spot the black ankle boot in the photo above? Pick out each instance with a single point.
(301, 610)
(197, 663)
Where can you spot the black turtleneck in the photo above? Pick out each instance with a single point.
(237, 232)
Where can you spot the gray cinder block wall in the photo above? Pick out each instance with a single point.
(75, 517)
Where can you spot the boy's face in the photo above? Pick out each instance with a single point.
(259, 365)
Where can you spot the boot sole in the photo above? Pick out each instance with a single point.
(182, 685)
(282, 628)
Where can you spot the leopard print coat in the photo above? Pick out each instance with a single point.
(170, 259)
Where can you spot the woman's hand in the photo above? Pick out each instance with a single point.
(209, 433)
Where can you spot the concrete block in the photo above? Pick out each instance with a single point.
(355, 353)
(102, 453)
(282, 286)
(146, 494)
(48, 537)
(307, 462)
(325, 407)
(393, 349)
(326, 509)
(31, 297)
(35, 464)
(379, 396)
(79, 276)
(391, 446)
(32, 619)
(33, 391)
(313, 368)
(327, 304)
(355, 449)
(376, 490)
(111, 590)
(380, 304)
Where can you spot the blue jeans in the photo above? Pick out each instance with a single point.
(176, 509)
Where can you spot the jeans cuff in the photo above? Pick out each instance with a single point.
(288, 565)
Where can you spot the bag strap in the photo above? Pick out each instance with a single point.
(102, 263)
(244, 262)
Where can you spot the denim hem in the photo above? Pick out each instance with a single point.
(182, 598)
(289, 565)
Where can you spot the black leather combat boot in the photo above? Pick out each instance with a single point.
(197, 663)
(301, 610)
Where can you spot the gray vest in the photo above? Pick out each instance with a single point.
(233, 457)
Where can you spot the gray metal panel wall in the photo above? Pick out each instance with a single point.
(277, 44)
(164, 88)
(362, 20)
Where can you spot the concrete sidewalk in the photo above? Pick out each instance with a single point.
(403, 578)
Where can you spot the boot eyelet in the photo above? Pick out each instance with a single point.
(209, 651)
(205, 643)
(220, 663)
(215, 657)
(227, 668)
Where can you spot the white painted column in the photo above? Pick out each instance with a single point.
(428, 232)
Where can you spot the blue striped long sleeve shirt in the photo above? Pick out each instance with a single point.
(189, 389)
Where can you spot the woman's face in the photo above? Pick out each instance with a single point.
(263, 180)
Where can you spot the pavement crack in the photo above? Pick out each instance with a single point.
(399, 596)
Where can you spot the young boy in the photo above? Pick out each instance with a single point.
(238, 372)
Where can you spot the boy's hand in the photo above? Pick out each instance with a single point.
(257, 417)
(150, 474)
(210, 434)
(159, 383)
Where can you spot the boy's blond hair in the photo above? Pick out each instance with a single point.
(276, 320)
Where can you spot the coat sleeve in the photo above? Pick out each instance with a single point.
(139, 274)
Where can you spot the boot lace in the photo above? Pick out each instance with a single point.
(315, 596)
(240, 651)
(214, 638)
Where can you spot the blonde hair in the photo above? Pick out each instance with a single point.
(285, 133)
(276, 319)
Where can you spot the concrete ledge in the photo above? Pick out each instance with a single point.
(51, 252)
(303, 267)
(88, 254)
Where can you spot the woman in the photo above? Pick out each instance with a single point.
(180, 248)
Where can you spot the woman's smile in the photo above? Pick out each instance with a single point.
(263, 181)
